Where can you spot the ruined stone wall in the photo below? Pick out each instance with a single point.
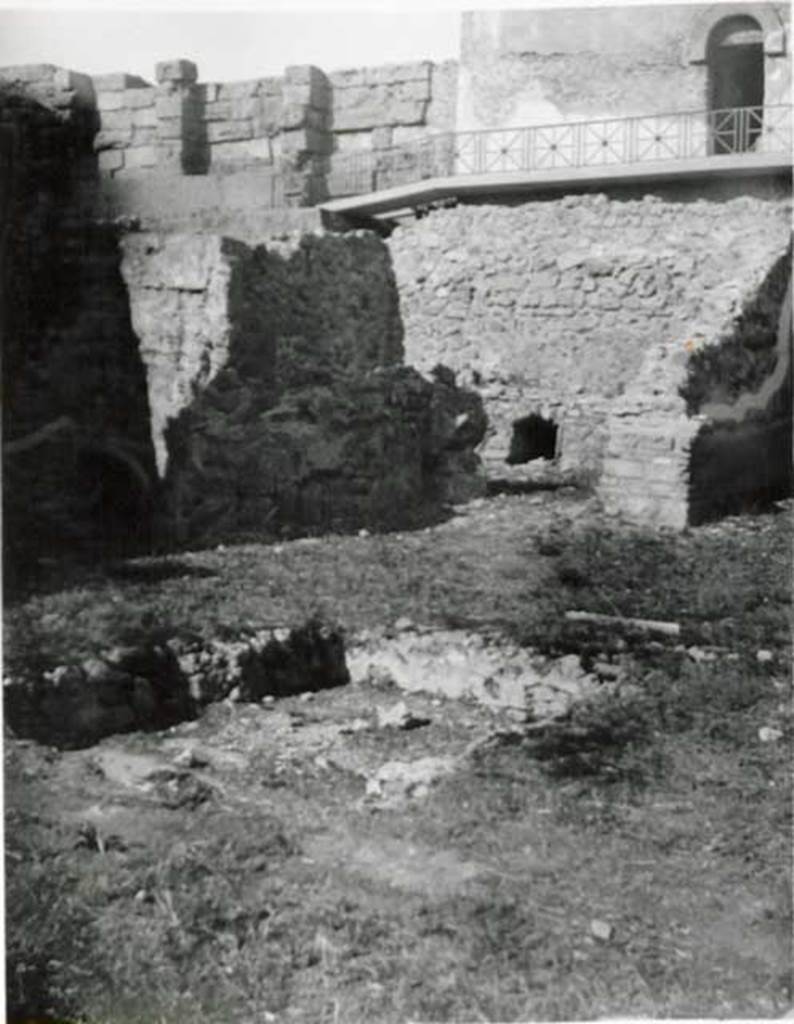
(708, 432)
(551, 66)
(277, 395)
(203, 302)
(554, 309)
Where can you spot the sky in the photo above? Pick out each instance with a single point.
(248, 41)
(226, 45)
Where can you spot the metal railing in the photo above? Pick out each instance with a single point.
(610, 142)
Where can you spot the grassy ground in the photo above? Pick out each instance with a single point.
(635, 862)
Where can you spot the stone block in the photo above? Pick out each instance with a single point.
(183, 72)
(218, 110)
(382, 138)
(387, 74)
(270, 87)
(144, 117)
(141, 156)
(352, 142)
(116, 120)
(170, 127)
(112, 140)
(238, 90)
(268, 120)
(71, 81)
(110, 160)
(229, 131)
(414, 90)
(110, 101)
(347, 78)
(117, 81)
(371, 112)
(139, 98)
(144, 136)
(293, 115)
(245, 106)
(259, 150)
(307, 83)
(170, 104)
(298, 115)
(169, 155)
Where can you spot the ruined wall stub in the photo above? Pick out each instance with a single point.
(279, 400)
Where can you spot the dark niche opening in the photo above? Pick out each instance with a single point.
(533, 438)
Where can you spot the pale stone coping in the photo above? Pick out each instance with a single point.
(430, 189)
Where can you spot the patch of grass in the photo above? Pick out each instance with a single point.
(655, 807)
(725, 585)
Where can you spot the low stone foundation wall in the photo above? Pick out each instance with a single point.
(153, 686)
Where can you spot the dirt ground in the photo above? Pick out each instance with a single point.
(261, 864)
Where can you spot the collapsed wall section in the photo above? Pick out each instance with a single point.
(279, 402)
(582, 314)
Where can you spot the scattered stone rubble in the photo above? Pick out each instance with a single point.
(463, 665)
(155, 686)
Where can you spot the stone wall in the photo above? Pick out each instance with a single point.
(705, 429)
(567, 312)
(300, 130)
(76, 449)
(182, 127)
(203, 302)
(278, 400)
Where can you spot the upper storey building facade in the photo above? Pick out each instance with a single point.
(522, 68)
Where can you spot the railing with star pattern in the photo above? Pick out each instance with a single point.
(603, 143)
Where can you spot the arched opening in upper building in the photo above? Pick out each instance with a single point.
(736, 84)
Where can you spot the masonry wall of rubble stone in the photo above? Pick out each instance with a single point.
(589, 312)
(213, 388)
(279, 402)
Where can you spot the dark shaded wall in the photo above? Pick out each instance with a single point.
(77, 455)
(741, 458)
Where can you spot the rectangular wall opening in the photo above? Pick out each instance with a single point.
(534, 437)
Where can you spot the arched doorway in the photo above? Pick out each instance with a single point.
(735, 56)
